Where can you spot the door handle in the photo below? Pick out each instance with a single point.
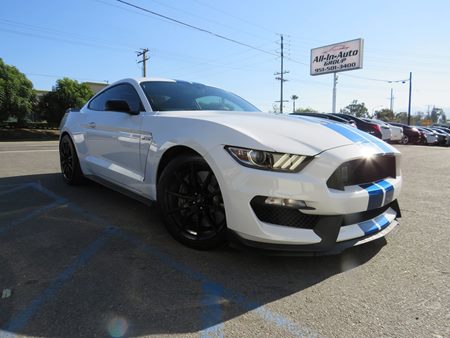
(92, 125)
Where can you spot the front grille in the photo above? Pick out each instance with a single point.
(362, 170)
(280, 215)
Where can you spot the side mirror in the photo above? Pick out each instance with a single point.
(120, 106)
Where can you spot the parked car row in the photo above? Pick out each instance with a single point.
(392, 132)
(377, 128)
(433, 135)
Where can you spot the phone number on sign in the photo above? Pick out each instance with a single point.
(335, 67)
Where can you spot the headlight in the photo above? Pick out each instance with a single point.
(266, 160)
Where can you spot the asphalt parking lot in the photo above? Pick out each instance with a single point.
(86, 262)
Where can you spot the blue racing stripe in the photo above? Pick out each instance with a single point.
(356, 135)
(389, 189)
(382, 145)
(369, 227)
(382, 221)
(376, 195)
(352, 136)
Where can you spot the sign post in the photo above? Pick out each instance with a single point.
(339, 57)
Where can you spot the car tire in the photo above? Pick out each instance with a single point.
(191, 203)
(70, 165)
(405, 139)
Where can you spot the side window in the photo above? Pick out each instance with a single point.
(216, 103)
(120, 92)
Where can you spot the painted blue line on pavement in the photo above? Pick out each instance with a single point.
(21, 320)
(263, 312)
(38, 186)
(212, 311)
(14, 188)
(35, 213)
(275, 318)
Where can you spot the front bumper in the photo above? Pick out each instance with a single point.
(334, 235)
(334, 209)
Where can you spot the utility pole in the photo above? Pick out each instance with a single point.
(392, 100)
(335, 80)
(280, 76)
(409, 101)
(144, 60)
(294, 98)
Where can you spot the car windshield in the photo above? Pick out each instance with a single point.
(170, 96)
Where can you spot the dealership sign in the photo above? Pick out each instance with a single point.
(339, 57)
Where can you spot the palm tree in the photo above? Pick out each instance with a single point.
(293, 98)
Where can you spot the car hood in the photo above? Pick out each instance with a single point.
(281, 133)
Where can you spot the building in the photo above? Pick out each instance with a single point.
(96, 86)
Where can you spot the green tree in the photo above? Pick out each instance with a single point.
(16, 93)
(306, 110)
(401, 117)
(67, 93)
(436, 114)
(356, 109)
(385, 115)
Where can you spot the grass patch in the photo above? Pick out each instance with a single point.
(25, 134)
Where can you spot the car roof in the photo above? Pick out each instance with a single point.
(323, 115)
(346, 116)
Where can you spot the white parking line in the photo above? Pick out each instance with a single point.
(28, 151)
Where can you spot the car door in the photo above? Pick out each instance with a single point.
(113, 136)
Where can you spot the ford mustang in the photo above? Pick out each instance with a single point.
(221, 170)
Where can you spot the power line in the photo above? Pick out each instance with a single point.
(207, 19)
(234, 16)
(118, 49)
(373, 79)
(59, 33)
(195, 27)
(63, 76)
(100, 44)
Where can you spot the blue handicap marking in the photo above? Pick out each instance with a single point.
(211, 318)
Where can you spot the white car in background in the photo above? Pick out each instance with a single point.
(396, 133)
(220, 169)
(386, 133)
(430, 137)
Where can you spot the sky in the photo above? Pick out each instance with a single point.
(97, 40)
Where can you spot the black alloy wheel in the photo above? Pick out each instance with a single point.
(192, 204)
(405, 139)
(70, 166)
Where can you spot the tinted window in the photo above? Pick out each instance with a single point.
(120, 92)
(164, 96)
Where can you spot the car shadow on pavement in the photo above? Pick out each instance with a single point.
(87, 261)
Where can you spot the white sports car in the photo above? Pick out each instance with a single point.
(222, 170)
